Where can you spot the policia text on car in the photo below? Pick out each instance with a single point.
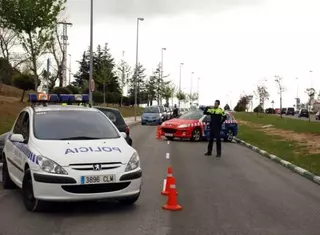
(217, 117)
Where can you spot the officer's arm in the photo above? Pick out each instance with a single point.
(205, 111)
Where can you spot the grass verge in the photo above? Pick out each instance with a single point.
(295, 125)
(287, 150)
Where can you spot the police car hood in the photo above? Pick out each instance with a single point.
(178, 121)
(85, 151)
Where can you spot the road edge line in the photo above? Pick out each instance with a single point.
(302, 172)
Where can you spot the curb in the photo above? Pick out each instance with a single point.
(308, 175)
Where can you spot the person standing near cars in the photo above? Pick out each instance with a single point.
(217, 117)
(175, 111)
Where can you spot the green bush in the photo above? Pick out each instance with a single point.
(60, 90)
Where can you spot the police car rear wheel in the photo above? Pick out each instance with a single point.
(196, 134)
(7, 183)
(30, 202)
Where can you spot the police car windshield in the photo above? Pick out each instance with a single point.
(192, 115)
(73, 125)
(151, 110)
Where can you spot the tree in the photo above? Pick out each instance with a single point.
(181, 96)
(24, 82)
(56, 49)
(192, 97)
(167, 93)
(7, 42)
(34, 23)
(151, 89)
(82, 76)
(138, 79)
(262, 94)
(242, 104)
(227, 107)
(124, 71)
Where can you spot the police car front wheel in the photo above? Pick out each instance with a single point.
(30, 202)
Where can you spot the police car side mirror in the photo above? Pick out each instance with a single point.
(17, 138)
(123, 134)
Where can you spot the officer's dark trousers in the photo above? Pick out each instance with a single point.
(214, 134)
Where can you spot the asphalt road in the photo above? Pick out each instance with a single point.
(242, 193)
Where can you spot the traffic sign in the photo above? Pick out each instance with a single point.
(92, 85)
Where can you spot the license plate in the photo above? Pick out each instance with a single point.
(168, 134)
(98, 179)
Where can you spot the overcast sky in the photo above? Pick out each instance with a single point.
(229, 44)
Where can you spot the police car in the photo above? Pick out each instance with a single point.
(68, 153)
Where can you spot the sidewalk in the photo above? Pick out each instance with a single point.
(130, 120)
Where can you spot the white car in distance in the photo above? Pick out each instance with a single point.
(68, 153)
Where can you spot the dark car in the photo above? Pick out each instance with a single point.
(283, 110)
(115, 116)
(2, 140)
(303, 113)
(270, 111)
(290, 111)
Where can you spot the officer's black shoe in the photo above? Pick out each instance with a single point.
(218, 155)
(207, 154)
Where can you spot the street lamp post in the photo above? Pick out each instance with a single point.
(162, 49)
(69, 69)
(136, 74)
(191, 83)
(278, 81)
(91, 54)
(198, 81)
(181, 64)
(272, 102)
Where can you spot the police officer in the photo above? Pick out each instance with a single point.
(217, 117)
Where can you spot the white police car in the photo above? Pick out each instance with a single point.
(68, 153)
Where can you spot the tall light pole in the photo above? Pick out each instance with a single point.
(191, 83)
(181, 64)
(91, 54)
(162, 50)
(69, 69)
(278, 81)
(136, 70)
(198, 81)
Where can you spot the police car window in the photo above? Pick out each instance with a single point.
(25, 126)
(73, 125)
(17, 126)
(192, 115)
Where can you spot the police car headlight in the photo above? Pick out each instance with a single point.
(50, 166)
(133, 163)
(184, 126)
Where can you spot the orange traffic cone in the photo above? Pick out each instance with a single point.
(168, 182)
(172, 203)
(159, 132)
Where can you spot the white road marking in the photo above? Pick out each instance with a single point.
(167, 155)
(164, 185)
(168, 142)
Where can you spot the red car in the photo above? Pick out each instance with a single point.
(194, 125)
(190, 125)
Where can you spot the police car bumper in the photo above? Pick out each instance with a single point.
(72, 187)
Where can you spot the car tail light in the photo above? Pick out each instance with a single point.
(127, 130)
